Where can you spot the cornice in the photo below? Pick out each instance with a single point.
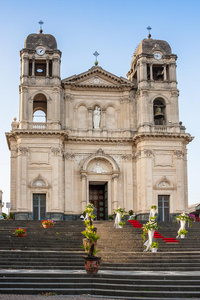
(146, 135)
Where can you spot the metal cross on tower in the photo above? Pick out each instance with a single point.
(149, 29)
(41, 23)
(96, 54)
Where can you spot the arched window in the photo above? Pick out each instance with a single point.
(159, 111)
(40, 108)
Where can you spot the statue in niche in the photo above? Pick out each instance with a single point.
(96, 117)
(98, 168)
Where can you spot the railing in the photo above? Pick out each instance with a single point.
(38, 125)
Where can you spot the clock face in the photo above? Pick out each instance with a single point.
(157, 55)
(40, 51)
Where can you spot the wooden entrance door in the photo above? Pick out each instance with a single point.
(97, 197)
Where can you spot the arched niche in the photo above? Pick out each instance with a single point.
(82, 117)
(159, 113)
(39, 108)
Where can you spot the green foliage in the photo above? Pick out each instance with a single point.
(153, 207)
(11, 216)
(4, 216)
(91, 237)
(154, 245)
(130, 212)
(110, 217)
(121, 223)
(144, 237)
(182, 231)
(90, 234)
(150, 226)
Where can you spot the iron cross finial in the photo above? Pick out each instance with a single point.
(41, 23)
(149, 29)
(96, 54)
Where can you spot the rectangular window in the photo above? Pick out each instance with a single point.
(163, 208)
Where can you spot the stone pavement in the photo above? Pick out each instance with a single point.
(39, 297)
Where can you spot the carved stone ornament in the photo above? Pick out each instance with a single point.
(98, 168)
(55, 151)
(136, 154)
(23, 150)
(148, 152)
(179, 153)
(164, 184)
(69, 155)
(127, 157)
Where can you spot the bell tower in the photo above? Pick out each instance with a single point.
(153, 70)
(40, 86)
(160, 141)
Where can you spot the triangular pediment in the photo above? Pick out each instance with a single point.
(97, 77)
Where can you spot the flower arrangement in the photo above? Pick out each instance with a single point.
(48, 222)
(182, 217)
(121, 223)
(19, 231)
(150, 226)
(192, 217)
(153, 207)
(120, 210)
(154, 245)
(182, 232)
(90, 234)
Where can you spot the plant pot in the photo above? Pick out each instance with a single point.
(182, 236)
(92, 264)
(154, 250)
(21, 234)
(46, 226)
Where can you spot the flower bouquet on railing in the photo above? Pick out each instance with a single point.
(48, 223)
(152, 214)
(20, 232)
(183, 218)
(149, 228)
(119, 212)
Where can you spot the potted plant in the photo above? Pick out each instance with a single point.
(48, 223)
(20, 232)
(182, 233)
(110, 218)
(90, 241)
(154, 246)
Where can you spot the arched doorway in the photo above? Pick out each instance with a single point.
(99, 174)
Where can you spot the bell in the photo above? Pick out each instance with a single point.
(159, 114)
(159, 74)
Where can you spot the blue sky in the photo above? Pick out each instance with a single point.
(114, 29)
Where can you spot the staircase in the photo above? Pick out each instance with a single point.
(51, 260)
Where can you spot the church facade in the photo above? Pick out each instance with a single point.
(96, 137)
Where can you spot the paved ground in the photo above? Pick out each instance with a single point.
(39, 297)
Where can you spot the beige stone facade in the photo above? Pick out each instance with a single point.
(101, 138)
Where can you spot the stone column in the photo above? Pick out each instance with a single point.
(165, 72)
(33, 66)
(84, 191)
(151, 72)
(47, 67)
(69, 183)
(115, 191)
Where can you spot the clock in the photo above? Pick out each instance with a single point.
(157, 55)
(40, 51)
